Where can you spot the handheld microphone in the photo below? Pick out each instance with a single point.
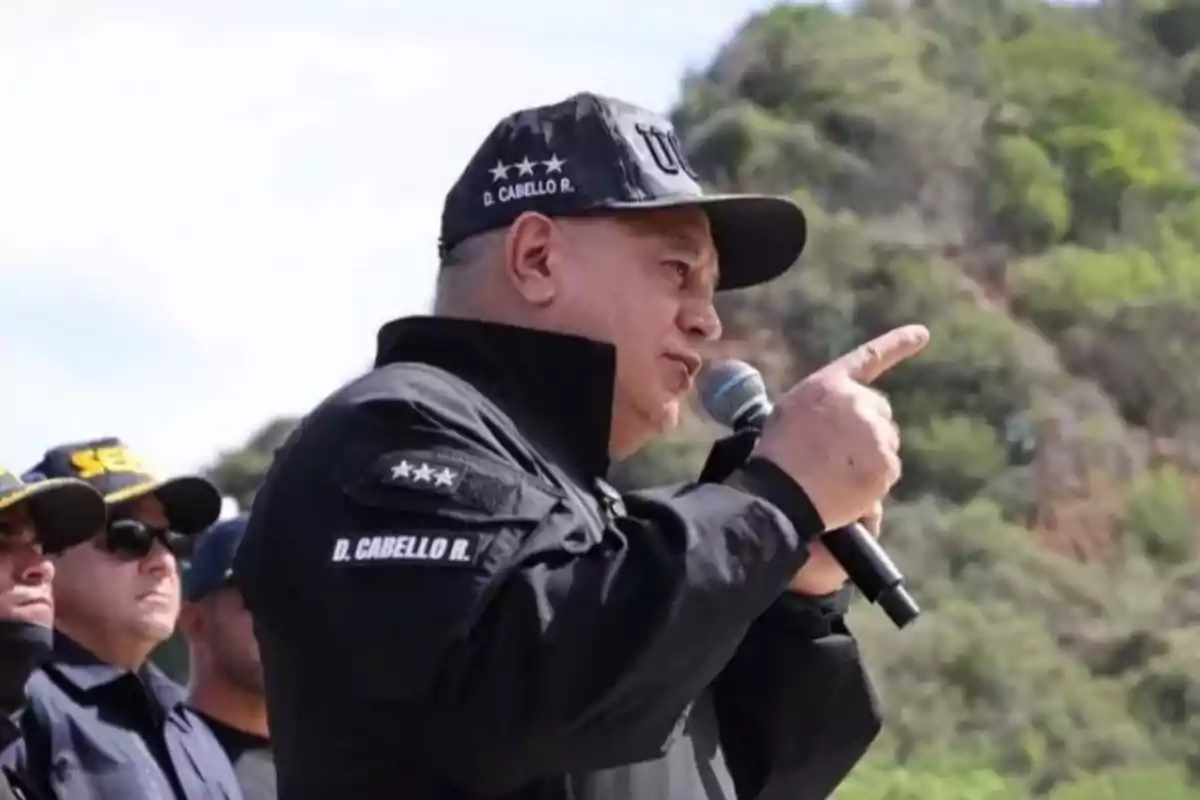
(733, 394)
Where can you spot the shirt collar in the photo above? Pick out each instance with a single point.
(557, 388)
(83, 670)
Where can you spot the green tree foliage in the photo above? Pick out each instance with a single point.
(1159, 516)
(238, 473)
(1028, 193)
(1016, 176)
(953, 456)
(930, 779)
(1021, 177)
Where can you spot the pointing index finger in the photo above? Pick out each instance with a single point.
(867, 362)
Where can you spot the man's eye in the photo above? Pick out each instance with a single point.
(680, 267)
(14, 537)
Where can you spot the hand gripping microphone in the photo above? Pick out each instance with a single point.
(734, 395)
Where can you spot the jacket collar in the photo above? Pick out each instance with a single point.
(557, 388)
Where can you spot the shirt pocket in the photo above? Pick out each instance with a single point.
(91, 769)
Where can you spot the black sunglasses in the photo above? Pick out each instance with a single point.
(132, 539)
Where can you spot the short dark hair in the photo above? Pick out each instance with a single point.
(468, 251)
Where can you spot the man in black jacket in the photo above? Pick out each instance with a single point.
(35, 521)
(450, 600)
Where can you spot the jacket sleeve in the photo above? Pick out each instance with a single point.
(527, 635)
(795, 705)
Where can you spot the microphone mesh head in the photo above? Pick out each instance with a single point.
(727, 388)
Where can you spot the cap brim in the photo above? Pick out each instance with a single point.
(65, 511)
(191, 503)
(196, 589)
(758, 237)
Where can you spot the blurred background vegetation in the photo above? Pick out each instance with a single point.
(1022, 177)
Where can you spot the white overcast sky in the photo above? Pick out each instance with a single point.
(208, 207)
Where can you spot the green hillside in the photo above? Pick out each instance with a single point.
(1022, 178)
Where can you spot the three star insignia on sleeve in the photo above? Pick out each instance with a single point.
(424, 474)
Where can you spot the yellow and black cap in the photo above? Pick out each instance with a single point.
(119, 474)
(65, 511)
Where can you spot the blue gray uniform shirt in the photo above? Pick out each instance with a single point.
(93, 730)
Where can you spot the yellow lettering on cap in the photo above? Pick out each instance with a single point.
(98, 460)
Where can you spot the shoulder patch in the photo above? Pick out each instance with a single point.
(442, 483)
(421, 473)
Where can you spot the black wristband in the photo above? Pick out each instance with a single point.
(764, 479)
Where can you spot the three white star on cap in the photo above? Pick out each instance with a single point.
(526, 167)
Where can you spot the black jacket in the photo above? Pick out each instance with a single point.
(452, 603)
(23, 646)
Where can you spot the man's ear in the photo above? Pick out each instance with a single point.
(530, 258)
(191, 621)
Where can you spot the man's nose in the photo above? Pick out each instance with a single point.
(159, 561)
(700, 321)
(35, 568)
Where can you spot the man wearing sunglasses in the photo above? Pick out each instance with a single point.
(226, 674)
(35, 521)
(102, 721)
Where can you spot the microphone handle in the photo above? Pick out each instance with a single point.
(853, 547)
(873, 572)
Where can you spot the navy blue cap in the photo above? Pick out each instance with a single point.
(211, 564)
(591, 154)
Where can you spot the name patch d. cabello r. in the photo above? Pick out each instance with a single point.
(447, 550)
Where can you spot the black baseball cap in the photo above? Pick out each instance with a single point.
(211, 563)
(115, 471)
(590, 154)
(65, 511)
